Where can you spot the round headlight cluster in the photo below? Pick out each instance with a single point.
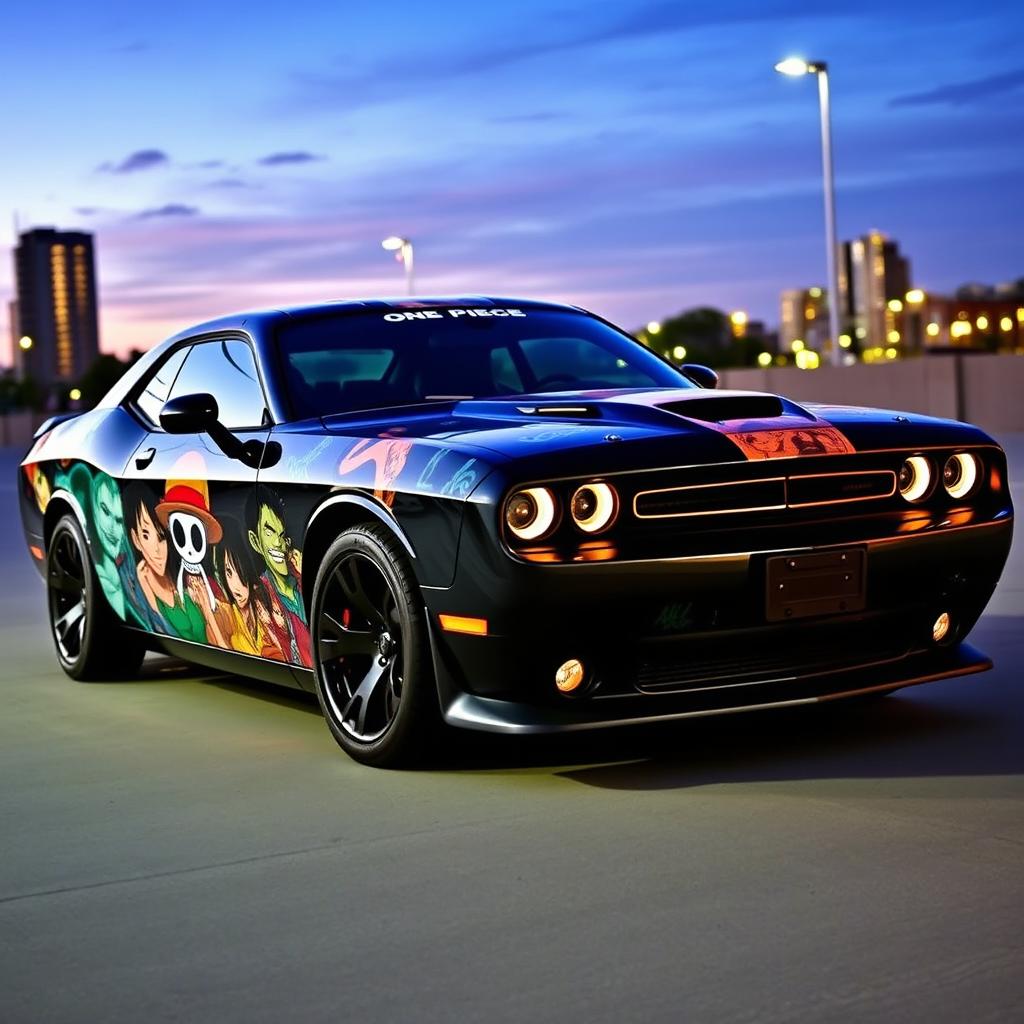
(530, 513)
(916, 478)
(593, 507)
(533, 512)
(960, 475)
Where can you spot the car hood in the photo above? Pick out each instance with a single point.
(652, 426)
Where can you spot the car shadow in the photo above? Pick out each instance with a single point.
(972, 726)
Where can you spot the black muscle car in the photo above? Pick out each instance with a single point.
(503, 515)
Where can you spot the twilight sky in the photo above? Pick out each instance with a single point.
(634, 157)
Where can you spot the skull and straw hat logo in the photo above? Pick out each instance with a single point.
(185, 513)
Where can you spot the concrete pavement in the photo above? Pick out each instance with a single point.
(194, 848)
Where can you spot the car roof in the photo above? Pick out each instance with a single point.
(251, 321)
(260, 324)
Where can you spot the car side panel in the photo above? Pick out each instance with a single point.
(417, 487)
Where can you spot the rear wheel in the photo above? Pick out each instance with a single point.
(91, 641)
(373, 670)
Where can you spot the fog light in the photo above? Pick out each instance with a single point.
(941, 627)
(569, 677)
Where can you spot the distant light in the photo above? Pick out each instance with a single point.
(793, 66)
(861, 332)
(75, 394)
(24, 343)
(891, 353)
(739, 318)
(932, 330)
(807, 359)
(797, 345)
(845, 341)
(915, 296)
(1020, 314)
(896, 306)
(392, 242)
(764, 359)
(959, 329)
(1006, 324)
(982, 323)
(679, 352)
(654, 327)
(815, 293)
(849, 359)
(893, 336)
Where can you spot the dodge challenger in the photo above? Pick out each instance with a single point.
(504, 515)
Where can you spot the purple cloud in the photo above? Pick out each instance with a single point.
(140, 160)
(168, 210)
(960, 93)
(293, 157)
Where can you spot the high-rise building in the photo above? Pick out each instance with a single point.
(55, 279)
(872, 276)
(804, 319)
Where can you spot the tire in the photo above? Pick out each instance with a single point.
(374, 675)
(90, 640)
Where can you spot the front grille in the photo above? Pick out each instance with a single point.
(705, 662)
(795, 491)
(832, 488)
(702, 500)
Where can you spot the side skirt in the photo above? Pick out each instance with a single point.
(235, 662)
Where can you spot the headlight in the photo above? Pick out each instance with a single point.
(915, 478)
(960, 474)
(593, 507)
(530, 513)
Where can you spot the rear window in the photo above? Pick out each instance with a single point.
(392, 357)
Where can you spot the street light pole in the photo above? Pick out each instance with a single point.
(404, 249)
(795, 66)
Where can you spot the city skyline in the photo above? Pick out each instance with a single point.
(636, 160)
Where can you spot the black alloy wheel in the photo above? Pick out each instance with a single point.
(65, 575)
(91, 642)
(373, 670)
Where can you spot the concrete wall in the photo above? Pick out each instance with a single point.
(17, 428)
(983, 389)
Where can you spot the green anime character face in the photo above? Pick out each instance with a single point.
(107, 515)
(270, 540)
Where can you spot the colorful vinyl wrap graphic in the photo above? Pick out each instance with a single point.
(169, 561)
(784, 437)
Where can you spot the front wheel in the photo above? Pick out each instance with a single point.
(374, 676)
(91, 641)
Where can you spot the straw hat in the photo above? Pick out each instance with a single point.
(193, 497)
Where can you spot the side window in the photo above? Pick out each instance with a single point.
(226, 370)
(152, 397)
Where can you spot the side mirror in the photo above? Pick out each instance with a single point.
(702, 376)
(189, 414)
(198, 414)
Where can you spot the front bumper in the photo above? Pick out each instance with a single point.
(681, 637)
(503, 716)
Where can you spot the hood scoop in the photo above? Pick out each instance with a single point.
(723, 408)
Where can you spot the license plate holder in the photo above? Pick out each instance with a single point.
(816, 583)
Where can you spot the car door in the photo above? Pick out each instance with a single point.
(192, 569)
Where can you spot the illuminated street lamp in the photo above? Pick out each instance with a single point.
(24, 343)
(794, 67)
(404, 249)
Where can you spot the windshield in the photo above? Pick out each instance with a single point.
(390, 357)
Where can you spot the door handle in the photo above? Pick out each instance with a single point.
(143, 460)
